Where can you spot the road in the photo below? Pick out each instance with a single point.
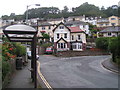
(77, 72)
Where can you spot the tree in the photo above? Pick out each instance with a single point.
(88, 10)
(114, 47)
(65, 10)
(45, 36)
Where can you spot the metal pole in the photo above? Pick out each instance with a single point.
(32, 61)
(27, 15)
(35, 61)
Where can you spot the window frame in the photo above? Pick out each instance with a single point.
(65, 35)
(79, 37)
(61, 27)
(58, 35)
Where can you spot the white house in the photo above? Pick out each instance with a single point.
(69, 38)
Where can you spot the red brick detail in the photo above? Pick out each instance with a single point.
(84, 46)
(55, 45)
(68, 45)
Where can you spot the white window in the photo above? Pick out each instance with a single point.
(72, 37)
(43, 28)
(78, 37)
(109, 34)
(61, 27)
(65, 35)
(77, 46)
(61, 45)
(57, 36)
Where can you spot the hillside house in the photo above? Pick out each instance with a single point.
(69, 38)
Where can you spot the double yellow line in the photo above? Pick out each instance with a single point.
(42, 77)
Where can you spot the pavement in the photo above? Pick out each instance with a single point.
(22, 78)
(108, 64)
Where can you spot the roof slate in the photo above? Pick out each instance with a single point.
(75, 23)
(75, 29)
(111, 29)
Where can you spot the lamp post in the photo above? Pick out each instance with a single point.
(27, 11)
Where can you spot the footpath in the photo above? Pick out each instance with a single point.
(108, 64)
(21, 78)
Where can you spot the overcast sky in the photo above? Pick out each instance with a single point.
(19, 6)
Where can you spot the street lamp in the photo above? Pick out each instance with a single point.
(24, 33)
(27, 11)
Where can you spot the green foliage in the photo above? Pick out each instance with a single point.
(112, 44)
(45, 36)
(88, 10)
(20, 49)
(54, 12)
(114, 47)
(46, 45)
(6, 68)
(102, 43)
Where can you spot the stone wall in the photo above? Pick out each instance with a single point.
(81, 53)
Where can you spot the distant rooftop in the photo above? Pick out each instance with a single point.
(74, 23)
(111, 29)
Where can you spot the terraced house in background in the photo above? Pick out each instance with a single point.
(110, 21)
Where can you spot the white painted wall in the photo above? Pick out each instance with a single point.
(61, 33)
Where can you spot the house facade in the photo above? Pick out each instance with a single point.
(69, 38)
(103, 22)
(76, 18)
(112, 31)
(110, 21)
(48, 26)
(114, 21)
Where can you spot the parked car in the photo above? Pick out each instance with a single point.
(29, 55)
(89, 47)
(49, 50)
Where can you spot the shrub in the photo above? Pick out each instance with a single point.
(46, 45)
(20, 50)
(102, 43)
(114, 47)
(6, 68)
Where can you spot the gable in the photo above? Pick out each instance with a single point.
(59, 25)
(61, 40)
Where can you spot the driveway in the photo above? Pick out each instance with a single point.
(77, 72)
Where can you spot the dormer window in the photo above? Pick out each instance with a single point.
(61, 27)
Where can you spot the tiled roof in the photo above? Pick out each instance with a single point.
(75, 23)
(45, 24)
(111, 29)
(75, 29)
(99, 28)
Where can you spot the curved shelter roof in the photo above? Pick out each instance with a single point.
(20, 33)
